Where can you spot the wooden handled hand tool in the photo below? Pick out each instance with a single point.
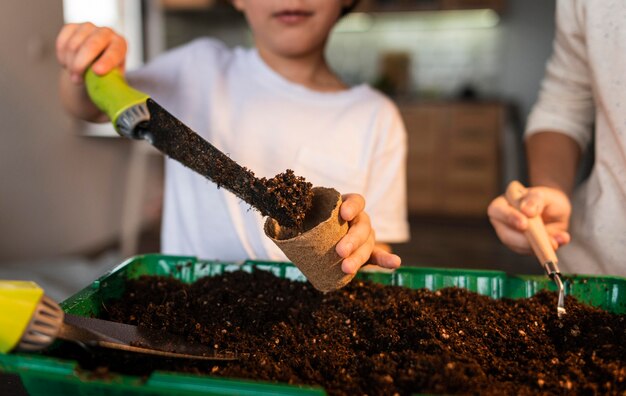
(539, 240)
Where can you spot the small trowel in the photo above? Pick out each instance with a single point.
(31, 321)
(540, 242)
(136, 116)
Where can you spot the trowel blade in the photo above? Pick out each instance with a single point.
(131, 338)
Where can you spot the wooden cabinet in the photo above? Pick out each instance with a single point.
(453, 164)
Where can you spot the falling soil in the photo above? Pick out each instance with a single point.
(380, 340)
(285, 197)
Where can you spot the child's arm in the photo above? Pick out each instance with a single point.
(78, 46)
(359, 245)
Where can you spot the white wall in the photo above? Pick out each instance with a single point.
(527, 31)
(449, 50)
(60, 192)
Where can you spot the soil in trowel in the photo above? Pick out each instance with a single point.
(285, 197)
(382, 340)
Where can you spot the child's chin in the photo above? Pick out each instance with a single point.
(295, 48)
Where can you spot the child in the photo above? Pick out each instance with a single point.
(271, 108)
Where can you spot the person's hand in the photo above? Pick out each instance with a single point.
(358, 246)
(78, 46)
(551, 204)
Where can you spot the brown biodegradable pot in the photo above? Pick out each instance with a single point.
(313, 251)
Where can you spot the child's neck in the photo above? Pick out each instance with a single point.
(310, 70)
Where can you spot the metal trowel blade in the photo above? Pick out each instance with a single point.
(113, 335)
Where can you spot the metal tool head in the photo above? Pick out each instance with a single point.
(113, 335)
(552, 269)
(44, 326)
(49, 322)
(271, 197)
(129, 121)
(92, 338)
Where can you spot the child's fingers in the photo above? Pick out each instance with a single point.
(563, 238)
(515, 240)
(93, 46)
(359, 257)
(113, 55)
(385, 259)
(67, 31)
(533, 203)
(352, 205)
(509, 224)
(511, 237)
(79, 36)
(560, 237)
(358, 233)
(500, 212)
(74, 43)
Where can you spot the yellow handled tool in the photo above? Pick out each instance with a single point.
(136, 116)
(31, 321)
(19, 301)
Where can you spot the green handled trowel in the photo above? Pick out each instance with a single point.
(136, 116)
(126, 107)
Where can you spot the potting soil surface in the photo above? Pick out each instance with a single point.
(378, 340)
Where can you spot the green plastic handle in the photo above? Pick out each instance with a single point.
(111, 94)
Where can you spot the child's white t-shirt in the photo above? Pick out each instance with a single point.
(353, 140)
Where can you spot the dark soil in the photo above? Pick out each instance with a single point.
(382, 340)
(285, 197)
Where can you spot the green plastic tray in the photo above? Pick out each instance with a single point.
(50, 376)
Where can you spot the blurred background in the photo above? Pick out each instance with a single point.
(76, 200)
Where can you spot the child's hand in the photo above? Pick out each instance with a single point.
(358, 246)
(79, 45)
(553, 206)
